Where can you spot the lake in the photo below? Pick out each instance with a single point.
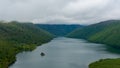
(63, 52)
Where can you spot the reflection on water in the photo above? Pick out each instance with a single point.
(63, 53)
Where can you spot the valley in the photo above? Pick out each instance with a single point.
(17, 37)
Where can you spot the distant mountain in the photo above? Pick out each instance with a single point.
(59, 29)
(107, 32)
(16, 37)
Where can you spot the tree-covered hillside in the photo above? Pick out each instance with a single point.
(107, 32)
(91, 29)
(109, 36)
(16, 37)
(59, 29)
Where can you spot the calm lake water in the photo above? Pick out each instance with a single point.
(63, 52)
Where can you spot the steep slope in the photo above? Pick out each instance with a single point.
(59, 29)
(91, 29)
(107, 32)
(109, 36)
(16, 37)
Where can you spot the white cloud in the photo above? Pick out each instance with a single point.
(60, 11)
(84, 5)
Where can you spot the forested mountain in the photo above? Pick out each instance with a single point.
(107, 32)
(59, 29)
(16, 37)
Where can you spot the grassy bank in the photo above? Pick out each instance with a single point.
(106, 63)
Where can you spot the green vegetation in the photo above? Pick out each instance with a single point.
(16, 37)
(109, 36)
(106, 63)
(107, 32)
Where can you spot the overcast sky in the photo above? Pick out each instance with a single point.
(60, 11)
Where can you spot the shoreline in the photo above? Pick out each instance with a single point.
(12, 62)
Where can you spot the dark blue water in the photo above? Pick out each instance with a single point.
(63, 52)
